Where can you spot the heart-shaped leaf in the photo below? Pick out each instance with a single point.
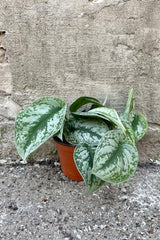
(84, 130)
(139, 125)
(114, 161)
(104, 113)
(83, 157)
(34, 125)
(129, 134)
(81, 101)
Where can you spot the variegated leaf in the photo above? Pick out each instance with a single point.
(34, 125)
(84, 130)
(115, 161)
(60, 134)
(129, 134)
(139, 125)
(104, 113)
(81, 101)
(83, 157)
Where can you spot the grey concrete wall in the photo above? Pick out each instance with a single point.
(71, 48)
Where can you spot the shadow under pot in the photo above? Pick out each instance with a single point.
(68, 166)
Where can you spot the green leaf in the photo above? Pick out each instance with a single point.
(60, 134)
(115, 160)
(129, 134)
(105, 100)
(139, 125)
(34, 125)
(83, 101)
(130, 103)
(84, 130)
(83, 157)
(104, 113)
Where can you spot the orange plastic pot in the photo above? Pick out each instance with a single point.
(68, 165)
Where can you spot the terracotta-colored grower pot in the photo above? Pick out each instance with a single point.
(68, 166)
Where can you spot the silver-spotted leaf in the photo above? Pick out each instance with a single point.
(114, 161)
(85, 130)
(104, 113)
(60, 134)
(129, 134)
(83, 157)
(34, 125)
(139, 125)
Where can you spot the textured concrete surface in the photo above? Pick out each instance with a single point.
(38, 202)
(72, 48)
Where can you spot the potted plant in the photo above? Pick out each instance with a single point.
(103, 141)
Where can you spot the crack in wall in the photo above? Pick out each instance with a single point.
(103, 5)
(8, 118)
(154, 124)
(2, 48)
(2, 54)
(2, 33)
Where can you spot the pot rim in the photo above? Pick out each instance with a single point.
(56, 139)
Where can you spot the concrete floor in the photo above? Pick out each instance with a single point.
(38, 202)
